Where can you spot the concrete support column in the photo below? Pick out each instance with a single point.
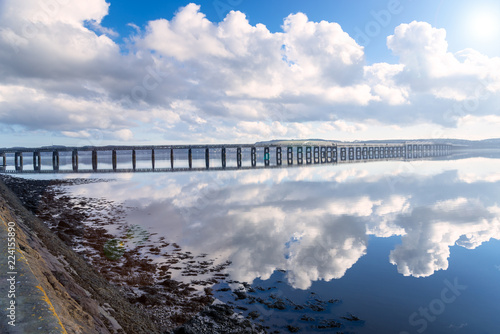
(172, 158)
(223, 157)
(134, 160)
(207, 158)
(4, 161)
(308, 155)
(190, 158)
(153, 159)
(238, 157)
(278, 156)
(55, 160)
(329, 153)
(253, 156)
(316, 154)
(37, 161)
(289, 155)
(343, 154)
(94, 160)
(113, 160)
(74, 160)
(266, 156)
(18, 161)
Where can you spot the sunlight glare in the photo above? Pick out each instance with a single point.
(483, 25)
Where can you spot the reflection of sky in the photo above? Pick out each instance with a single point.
(316, 222)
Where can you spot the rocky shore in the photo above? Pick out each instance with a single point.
(98, 286)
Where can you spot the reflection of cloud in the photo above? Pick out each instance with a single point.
(327, 254)
(309, 222)
(432, 230)
(480, 170)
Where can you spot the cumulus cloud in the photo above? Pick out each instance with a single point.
(431, 69)
(294, 219)
(206, 80)
(431, 231)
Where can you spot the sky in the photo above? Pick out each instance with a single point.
(102, 72)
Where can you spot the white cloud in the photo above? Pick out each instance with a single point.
(431, 231)
(220, 81)
(124, 134)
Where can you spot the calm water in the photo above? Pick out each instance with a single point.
(408, 247)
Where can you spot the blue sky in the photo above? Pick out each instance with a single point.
(98, 72)
(353, 16)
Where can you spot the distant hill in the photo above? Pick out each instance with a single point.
(487, 143)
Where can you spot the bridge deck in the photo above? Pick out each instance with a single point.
(215, 157)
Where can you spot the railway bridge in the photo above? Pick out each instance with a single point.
(207, 157)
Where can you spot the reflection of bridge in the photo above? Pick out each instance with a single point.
(256, 155)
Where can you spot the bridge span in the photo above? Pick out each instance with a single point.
(168, 158)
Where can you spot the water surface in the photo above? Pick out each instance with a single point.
(406, 247)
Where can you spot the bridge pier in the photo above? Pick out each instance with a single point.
(323, 154)
(134, 160)
(300, 156)
(343, 153)
(253, 156)
(308, 155)
(351, 153)
(94, 160)
(37, 161)
(153, 159)
(55, 160)
(329, 154)
(238, 157)
(74, 160)
(18, 161)
(113, 160)
(223, 157)
(289, 155)
(190, 158)
(172, 158)
(278, 156)
(266, 156)
(207, 158)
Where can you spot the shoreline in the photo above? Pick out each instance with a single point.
(108, 305)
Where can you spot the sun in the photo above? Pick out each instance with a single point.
(483, 24)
